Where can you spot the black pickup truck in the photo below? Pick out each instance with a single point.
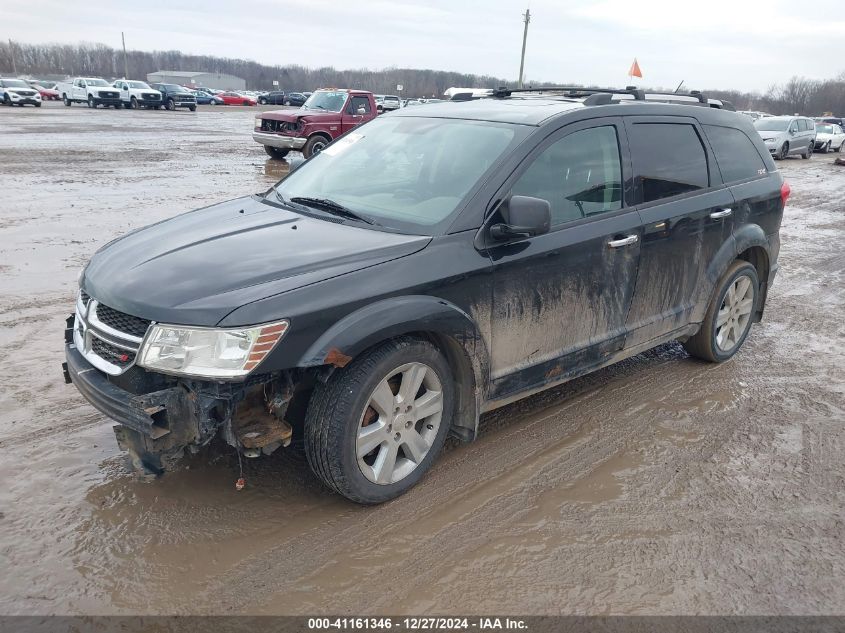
(174, 96)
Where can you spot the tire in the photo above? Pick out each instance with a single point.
(262, 101)
(66, 101)
(342, 407)
(170, 105)
(826, 148)
(783, 153)
(275, 152)
(192, 108)
(38, 105)
(91, 103)
(705, 343)
(809, 153)
(158, 107)
(133, 104)
(315, 145)
(286, 102)
(246, 103)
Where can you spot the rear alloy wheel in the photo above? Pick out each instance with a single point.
(275, 152)
(377, 425)
(729, 315)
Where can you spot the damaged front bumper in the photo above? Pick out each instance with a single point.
(159, 417)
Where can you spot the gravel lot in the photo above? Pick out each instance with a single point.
(660, 485)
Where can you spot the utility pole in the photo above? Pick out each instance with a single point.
(526, 18)
(125, 65)
(12, 54)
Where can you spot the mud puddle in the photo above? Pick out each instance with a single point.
(659, 485)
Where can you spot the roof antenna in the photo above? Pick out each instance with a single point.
(679, 85)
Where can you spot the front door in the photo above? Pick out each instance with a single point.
(560, 299)
(355, 112)
(687, 215)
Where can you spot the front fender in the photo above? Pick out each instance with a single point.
(452, 329)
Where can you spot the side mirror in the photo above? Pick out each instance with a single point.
(524, 217)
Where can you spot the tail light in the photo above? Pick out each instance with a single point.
(785, 190)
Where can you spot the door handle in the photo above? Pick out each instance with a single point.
(624, 241)
(723, 213)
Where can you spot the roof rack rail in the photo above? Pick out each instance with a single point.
(604, 96)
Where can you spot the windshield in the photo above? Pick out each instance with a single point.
(405, 173)
(772, 125)
(138, 84)
(14, 83)
(824, 129)
(96, 82)
(328, 101)
(172, 87)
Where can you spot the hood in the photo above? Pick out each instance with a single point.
(196, 268)
(302, 113)
(18, 90)
(824, 136)
(766, 134)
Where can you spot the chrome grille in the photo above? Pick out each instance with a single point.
(107, 338)
(149, 96)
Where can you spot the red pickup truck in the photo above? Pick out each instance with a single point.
(327, 114)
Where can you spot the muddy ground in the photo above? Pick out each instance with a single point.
(660, 485)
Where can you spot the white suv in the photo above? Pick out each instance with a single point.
(18, 92)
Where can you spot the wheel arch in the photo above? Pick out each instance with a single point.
(748, 242)
(436, 320)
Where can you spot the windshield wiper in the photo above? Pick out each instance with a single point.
(331, 206)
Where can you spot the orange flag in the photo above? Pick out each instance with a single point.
(635, 70)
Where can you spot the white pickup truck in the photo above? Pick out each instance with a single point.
(138, 94)
(91, 90)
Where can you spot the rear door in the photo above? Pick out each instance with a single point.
(687, 214)
(560, 299)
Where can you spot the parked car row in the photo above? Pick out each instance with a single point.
(788, 135)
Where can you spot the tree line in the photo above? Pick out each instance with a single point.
(798, 94)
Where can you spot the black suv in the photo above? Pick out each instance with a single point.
(426, 267)
(274, 97)
(174, 96)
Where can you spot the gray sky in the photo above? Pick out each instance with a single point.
(715, 44)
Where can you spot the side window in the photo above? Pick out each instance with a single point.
(737, 157)
(357, 103)
(669, 159)
(802, 125)
(793, 127)
(580, 175)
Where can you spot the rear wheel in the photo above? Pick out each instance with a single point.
(275, 152)
(809, 152)
(66, 101)
(377, 425)
(729, 315)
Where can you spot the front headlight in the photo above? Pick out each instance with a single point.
(209, 352)
(257, 123)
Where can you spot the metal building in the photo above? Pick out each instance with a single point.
(217, 81)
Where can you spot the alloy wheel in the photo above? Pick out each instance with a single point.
(734, 317)
(399, 423)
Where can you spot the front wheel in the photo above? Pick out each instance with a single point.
(91, 102)
(192, 108)
(729, 316)
(38, 105)
(275, 152)
(170, 104)
(262, 101)
(314, 145)
(133, 104)
(826, 148)
(784, 152)
(377, 425)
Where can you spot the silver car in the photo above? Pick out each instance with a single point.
(785, 135)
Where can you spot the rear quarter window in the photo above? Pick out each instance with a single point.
(669, 159)
(736, 155)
